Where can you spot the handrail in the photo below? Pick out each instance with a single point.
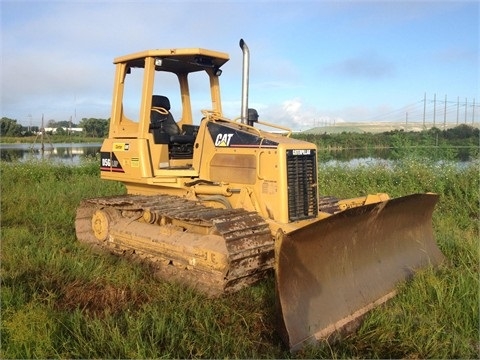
(288, 130)
(211, 115)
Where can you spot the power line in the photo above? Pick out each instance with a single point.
(428, 110)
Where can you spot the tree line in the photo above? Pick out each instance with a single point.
(91, 127)
(459, 136)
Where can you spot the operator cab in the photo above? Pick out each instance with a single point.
(152, 97)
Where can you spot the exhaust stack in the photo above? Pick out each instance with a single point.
(245, 71)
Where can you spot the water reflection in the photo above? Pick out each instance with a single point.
(74, 153)
(388, 158)
(369, 155)
(64, 153)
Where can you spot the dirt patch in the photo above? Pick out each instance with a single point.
(99, 298)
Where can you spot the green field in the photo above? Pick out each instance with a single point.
(61, 300)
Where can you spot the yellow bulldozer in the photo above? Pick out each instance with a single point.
(217, 203)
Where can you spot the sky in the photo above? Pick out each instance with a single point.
(311, 62)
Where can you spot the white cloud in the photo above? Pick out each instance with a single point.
(297, 115)
(292, 106)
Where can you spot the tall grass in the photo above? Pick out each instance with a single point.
(59, 299)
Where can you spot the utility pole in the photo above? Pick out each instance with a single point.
(445, 114)
(458, 106)
(434, 108)
(465, 110)
(42, 134)
(473, 111)
(424, 107)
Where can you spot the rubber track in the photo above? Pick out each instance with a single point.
(247, 236)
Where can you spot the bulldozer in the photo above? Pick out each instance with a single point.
(218, 203)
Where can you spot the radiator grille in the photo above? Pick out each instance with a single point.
(302, 184)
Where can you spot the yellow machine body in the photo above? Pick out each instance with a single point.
(217, 202)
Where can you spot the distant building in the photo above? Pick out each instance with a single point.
(66, 129)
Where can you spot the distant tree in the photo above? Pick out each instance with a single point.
(9, 127)
(30, 130)
(51, 124)
(462, 131)
(65, 124)
(94, 127)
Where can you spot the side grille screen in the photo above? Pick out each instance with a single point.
(302, 184)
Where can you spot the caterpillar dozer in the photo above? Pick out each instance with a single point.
(217, 203)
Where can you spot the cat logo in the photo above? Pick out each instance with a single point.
(223, 139)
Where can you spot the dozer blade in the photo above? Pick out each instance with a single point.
(330, 273)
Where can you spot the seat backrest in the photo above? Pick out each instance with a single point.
(163, 122)
(160, 101)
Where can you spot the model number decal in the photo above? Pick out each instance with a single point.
(106, 162)
(109, 162)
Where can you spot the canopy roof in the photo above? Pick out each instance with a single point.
(177, 60)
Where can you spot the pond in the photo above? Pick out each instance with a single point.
(387, 157)
(73, 153)
(62, 153)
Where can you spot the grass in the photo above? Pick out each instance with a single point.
(60, 300)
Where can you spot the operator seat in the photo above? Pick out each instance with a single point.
(164, 122)
(165, 130)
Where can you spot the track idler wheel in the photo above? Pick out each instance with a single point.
(101, 221)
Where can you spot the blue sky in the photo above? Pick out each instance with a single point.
(312, 62)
